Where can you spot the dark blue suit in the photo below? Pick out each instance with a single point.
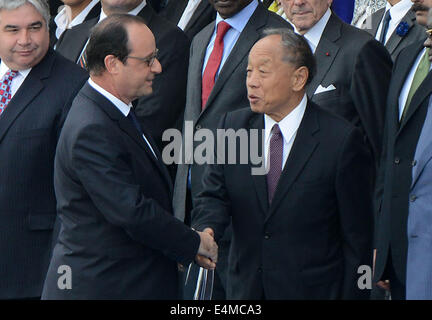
(29, 128)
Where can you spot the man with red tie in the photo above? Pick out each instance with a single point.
(216, 85)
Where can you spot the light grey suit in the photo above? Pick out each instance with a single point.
(396, 42)
(419, 229)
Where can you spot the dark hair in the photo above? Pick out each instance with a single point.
(296, 50)
(109, 37)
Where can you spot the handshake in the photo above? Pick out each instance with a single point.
(208, 250)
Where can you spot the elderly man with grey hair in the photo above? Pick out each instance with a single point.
(37, 88)
(302, 230)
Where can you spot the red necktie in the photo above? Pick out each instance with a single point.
(5, 89)
(213, 63)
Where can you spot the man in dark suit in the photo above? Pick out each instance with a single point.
(206, 107)
(37, 88)
(302, 230)
(395, 26)
(347, 81)
(118, 235)
(164, 108)
(74, 12)
(407, 105)
(190, 16)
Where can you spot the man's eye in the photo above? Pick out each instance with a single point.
(35, 28)
(11, 30)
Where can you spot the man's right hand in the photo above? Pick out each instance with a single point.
(208, 250)
(380, 284)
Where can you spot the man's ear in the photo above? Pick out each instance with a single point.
(300, 78)
(112, 64)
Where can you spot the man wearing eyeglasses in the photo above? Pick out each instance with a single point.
(407, 106)
(119, 238)
(163, 108)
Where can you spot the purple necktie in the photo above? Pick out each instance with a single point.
(275, 160)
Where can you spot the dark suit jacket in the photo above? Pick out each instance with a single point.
(164, 108)
(29, 129)
(118, 233)
(309, 243)
(229, 92)
(203, 15)
(396, 43)
(94, 12)
(360, 68)
(395, 174)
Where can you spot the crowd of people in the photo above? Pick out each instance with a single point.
(336, 114)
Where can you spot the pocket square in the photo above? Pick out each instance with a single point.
(321, 89)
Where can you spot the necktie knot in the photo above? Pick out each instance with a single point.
(9, 76)
(276, 130)
(222, 29)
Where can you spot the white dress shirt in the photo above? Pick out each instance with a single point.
(62, 18)
(407, 85)
(313, 35)
(123, 107)
(188, 13)
(18, 80)
(288, 127)
(237, 23)
(397, 12)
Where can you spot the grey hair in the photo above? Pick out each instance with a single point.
(296, 49)
(40, 5)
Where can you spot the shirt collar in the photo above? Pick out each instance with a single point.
(133, 12)
(4, 68)
(399, 10)
(313, 35)
(288, 125)
(123, 107)
(239, 20)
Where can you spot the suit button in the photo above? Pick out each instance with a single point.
(414, 163)
(198, 127)
(413, 198)
(259, 270)
(267, 236)
(396, 160)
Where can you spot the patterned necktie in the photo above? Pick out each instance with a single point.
(275, 160)
(213, 63)
(420, 74)
(82, 61)
(5, 89)
(385, 26)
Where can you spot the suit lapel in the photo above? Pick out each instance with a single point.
(304, 145)
(422, 93)
(30, 88)
(203, 40)
(326, 53)
(147, 13)
(395, 39)
(376, 20)
(126, 125)
(247, 39)
(259, 181)
(197, 14)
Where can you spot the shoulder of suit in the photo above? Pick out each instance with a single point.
(327, 119)
(240, 118)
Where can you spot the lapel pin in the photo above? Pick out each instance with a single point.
(327, 54)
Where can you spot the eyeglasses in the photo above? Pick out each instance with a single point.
(150, 59)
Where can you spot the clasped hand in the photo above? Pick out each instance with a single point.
(208, 250)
